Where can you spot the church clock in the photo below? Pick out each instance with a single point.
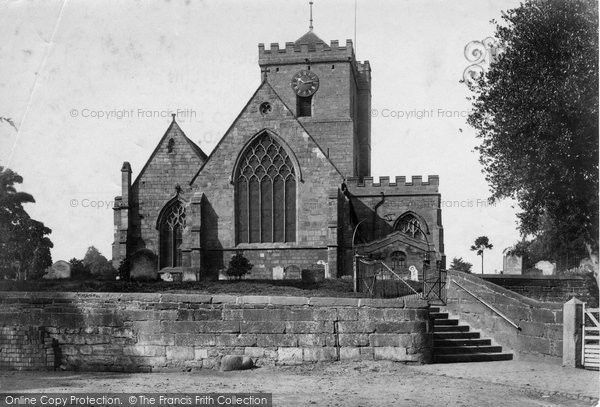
(305, 83)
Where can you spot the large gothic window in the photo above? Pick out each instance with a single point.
(411, 226)
(265, 193)
(172, 224)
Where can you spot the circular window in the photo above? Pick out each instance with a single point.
(265, 108)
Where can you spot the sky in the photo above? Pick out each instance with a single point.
(92, 84)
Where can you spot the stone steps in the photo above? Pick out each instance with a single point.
(455, 343)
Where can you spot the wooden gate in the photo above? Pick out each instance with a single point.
(590, 352)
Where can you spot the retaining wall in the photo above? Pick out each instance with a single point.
(154, 332)
(540, 323)
(549, 288)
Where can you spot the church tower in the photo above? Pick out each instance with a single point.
(329, 91)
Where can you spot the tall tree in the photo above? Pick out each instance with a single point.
(24, 246)
(98, 265)
(481, 244)
(536, 113)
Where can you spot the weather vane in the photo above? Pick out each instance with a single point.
(311, 19)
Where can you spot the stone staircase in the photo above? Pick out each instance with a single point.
(454, 343)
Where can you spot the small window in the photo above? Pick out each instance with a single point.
(170, 145)
(276, 69)
(265, 108)
(304, 106)
(332, 66)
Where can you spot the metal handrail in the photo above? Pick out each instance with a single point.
(488, 305)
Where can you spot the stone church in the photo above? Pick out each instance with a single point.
(289, 184)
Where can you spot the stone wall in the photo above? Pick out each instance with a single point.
(540, 323)
(154, 332)
(549, 288)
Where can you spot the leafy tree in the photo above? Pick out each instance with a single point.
(536, 113)
(481, 244)
(79, 271)
(460, 265)
(24, 247)
(98, 265)
(239, 266)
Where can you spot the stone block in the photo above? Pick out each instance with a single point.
(230, 340)
(180, 353)
(253, 299)
(254, 352)
(263, 314)
(347, 314)
(277, 340)
(317, 354)
(349, 353)
(333, 302)
(263, 327)
(200, 353)
(289, 356)
(156, 339)
(398, 327)
(200, 326)
(195, 339)
(543, 315)
(533, 328)
(315, 339)
(307, 327)
(400, 340)
(353, 339)
(361, 326)
(283, 300)
(390, 353)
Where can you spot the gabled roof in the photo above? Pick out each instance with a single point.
(263, 84)
(171, 131)
(311, 39)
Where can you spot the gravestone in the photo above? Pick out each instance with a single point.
(326, 266)
(278, 273)
(143, 265)
(60, 269)
(547, 268)
(414, 273)
(292, 272)
(512, 264)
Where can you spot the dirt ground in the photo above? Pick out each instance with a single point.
(348, 384)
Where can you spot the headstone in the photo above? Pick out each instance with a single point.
(278, 273)
(166, 277)
(512, 264)
(60, 269)
(326, 266)
(292, 272)
(223, 275)
(414, 273)
(546, 267)
(144, 265)
(189, 275)
(314, 274)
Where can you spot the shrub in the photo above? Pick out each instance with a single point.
(239, 266)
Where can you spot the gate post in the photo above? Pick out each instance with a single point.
(355, 271)
(572, 340)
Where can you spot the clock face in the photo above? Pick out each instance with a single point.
(305, 83)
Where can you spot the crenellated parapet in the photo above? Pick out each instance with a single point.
(315, 52)
(400, 185)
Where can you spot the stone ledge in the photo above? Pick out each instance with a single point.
(219, 299)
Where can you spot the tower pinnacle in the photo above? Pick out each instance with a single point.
(310, 27)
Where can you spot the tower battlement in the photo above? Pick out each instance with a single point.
(400, 186)
(314, 52)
